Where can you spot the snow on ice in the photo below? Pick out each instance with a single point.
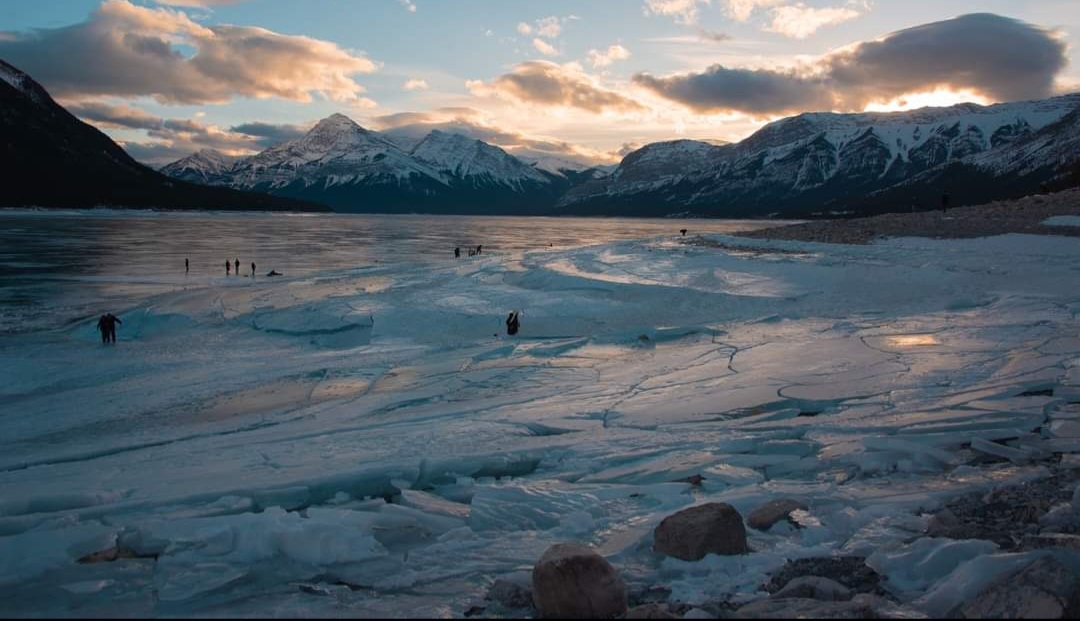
(307, 446)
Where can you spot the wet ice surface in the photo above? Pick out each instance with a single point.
(250, 436)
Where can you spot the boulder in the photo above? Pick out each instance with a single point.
(815, 587)
(650, 611)
(572, 581)
(768, 514)
(513, 591)
(850, 571)
(1045, 589)
(691, 534)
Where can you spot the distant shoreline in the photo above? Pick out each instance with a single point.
(1023, 215)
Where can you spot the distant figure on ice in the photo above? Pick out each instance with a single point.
(683, 231)
(479, 250)
(238, 267)
(107, 326)
(945, 198)
(228, 267)
(457, 252)
(274, 273)
(513, 323)
(253, 269)
(187, 266)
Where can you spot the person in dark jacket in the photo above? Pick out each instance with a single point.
(457, 252)
(107, 326)
(513, 323)
(228, 267)
(253, 269)
(237, 267)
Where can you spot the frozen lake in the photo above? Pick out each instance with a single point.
(57, 267)
(360, 437)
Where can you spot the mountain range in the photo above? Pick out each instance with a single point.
(806, 165)
(52, 159)
(810, 164)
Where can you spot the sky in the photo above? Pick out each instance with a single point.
(587, 79)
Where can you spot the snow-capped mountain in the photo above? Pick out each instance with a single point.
(352, 168)
(822, 161)
(476, 164)
(207, 167)
(52, 159)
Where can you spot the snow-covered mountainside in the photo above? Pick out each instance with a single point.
(811, 161)
(475, 163)
(207, 167)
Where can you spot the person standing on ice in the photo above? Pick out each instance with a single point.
(187, 266)
(238, 266)
(513, 323)
(479, 250)
(107, 326)
(457, 252)
(253, 269)
(228, 267)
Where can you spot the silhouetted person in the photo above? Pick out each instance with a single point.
(945, 199)
(513, 323)
(228, 268)
(683, 231)
(187, 266)
(457, 252)
(272, 273)
(107, 326)
(253, 269)
(479, 250)
(238, 267)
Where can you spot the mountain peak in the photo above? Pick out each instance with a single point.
(336, 122)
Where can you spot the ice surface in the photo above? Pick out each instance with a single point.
(378, 428)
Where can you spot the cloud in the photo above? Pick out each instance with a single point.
(409, 6)
(604, 58)
(545, 83)
(549, 27)
(524, 28)
(416, 84)
(544, 47)
(714, 36)
(270, 134)
(130, 50)
(741, 10)
(683, 11)
(996, 57)
(800, 21)
(172, 139)
(197, 3)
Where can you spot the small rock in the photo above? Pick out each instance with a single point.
(572, 581)
(815, 587)
(695, 480)
(691, 534)
(650, 611)
(768, 514)
(511, 593)
(1045, 589)
(806, 609)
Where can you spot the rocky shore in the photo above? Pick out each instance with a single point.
(1034, 526)
(1024, 215)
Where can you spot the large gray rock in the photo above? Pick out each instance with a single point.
(572, 581)
(690, 534)
(768, 514)
(815, 587)
(1045, 589)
